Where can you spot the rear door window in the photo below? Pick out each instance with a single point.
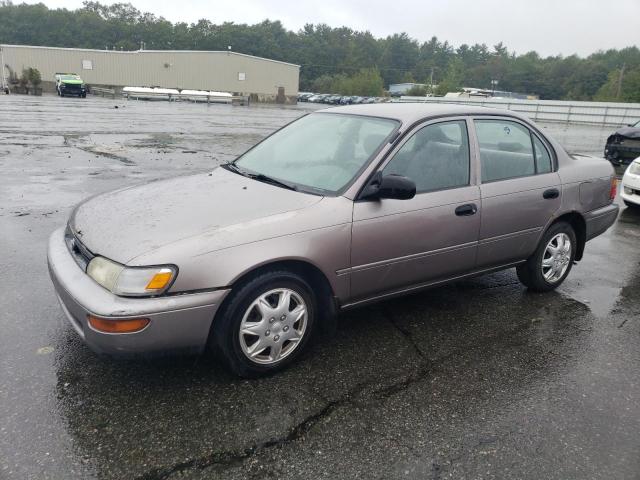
(506, 150)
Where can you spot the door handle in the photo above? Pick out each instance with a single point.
(551, 193)
(466, 210)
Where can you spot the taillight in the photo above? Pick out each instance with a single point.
(614, 188)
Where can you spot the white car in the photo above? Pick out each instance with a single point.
(631, 185)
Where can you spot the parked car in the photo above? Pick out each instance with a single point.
(341, 208)
(318, 98)
(624, 145)
(304, 96)
(630, 192)
(332, 99)
(70, 84)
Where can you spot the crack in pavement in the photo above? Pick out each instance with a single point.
(427, 368)
(234, 457)
(388, 314)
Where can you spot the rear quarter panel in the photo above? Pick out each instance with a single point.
(586, 182)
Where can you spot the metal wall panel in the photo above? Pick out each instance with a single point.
(596, 113)
(172, 69)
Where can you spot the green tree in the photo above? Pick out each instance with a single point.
(34, 77)
(452, 82)
(330, 57)
(626, 89)
(417, 91)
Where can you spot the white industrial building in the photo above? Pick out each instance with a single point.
(226, 71)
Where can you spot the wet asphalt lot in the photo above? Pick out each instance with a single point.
(479, 379)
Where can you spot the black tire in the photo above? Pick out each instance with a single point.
(530, 273)
(631, 205)
(224, 337)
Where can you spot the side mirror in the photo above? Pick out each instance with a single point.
(391, 186)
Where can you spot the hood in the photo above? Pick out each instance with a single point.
(72, 82)
(628, 132)
(127, 223)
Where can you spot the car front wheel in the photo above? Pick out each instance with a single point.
(266, 324)
(550, 264)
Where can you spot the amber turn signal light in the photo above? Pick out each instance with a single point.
(159, 280)
(110, 325)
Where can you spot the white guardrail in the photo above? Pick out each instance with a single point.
(593, 113)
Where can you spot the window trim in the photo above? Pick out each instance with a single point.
(532, 131)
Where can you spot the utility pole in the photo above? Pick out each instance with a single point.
(431, 82)
(4, 84)
(619, 89)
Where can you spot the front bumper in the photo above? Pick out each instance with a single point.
(73, 91)
(621, 154)
(632, 182)
(599, 220)
(178, 322)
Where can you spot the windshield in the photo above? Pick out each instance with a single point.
(637, 125)
(321, 151)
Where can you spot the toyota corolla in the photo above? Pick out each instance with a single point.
(341, 208)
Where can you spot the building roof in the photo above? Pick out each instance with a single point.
(133, 52)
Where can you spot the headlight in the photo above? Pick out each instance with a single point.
(634, 168)
(131, 281)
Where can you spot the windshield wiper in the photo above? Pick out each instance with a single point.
(266, 179)
(234, 168)
(261, 177)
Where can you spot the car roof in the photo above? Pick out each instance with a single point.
(409, 113)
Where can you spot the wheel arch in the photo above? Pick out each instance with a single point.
(327, 300)
(579, 225)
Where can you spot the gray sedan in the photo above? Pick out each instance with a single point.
(341, 208)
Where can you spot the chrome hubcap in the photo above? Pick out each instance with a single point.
(556, 258)
(273, 326)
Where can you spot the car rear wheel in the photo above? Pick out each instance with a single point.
(265, 324)
(550, 264)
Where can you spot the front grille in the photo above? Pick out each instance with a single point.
(79, 252)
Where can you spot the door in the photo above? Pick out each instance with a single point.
(519, 188)
(433, 236)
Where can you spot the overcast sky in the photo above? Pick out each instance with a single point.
(547, 26)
